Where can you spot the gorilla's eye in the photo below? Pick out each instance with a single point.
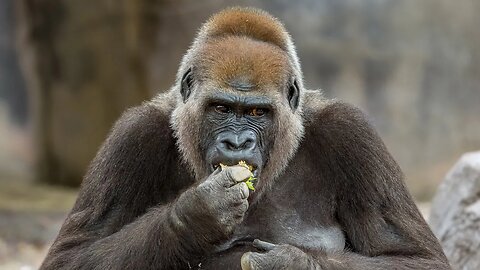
(222, 109)
(257, 112)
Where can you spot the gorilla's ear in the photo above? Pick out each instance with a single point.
(293, 95)
(187, 82)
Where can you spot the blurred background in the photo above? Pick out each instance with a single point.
(68, 69)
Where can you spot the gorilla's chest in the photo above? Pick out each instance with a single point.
(287, 221)
(281, 224)
(290, 213)
(294, 220)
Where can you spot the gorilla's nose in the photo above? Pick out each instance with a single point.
(237, 141)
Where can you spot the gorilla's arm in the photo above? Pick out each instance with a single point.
(383, 227)
(130, 174)
(131, 212)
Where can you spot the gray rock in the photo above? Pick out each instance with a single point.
(455, 213)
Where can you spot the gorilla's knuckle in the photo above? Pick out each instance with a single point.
(243, 190)
(244, 206)
(227, 221)
(225, 178)
(239, 211)
(238, 193)
(234, 197)
(209, 189)
(239, 217)
(218, 181)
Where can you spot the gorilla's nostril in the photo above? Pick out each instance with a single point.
(232, 144)
(229, 144)
(236, 142)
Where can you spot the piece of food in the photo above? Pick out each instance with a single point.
(249, 180)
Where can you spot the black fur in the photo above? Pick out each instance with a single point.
(340, 202)
(342, 176)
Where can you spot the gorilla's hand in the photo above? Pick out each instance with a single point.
(277, 257)
(213, 208)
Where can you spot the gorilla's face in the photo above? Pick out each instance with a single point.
(240, 102)
(237, 126)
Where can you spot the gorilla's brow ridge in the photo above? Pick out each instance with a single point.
(251, 101)
(242, 86)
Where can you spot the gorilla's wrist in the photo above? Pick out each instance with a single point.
(308, 262)
(189, 221)
(322, 260)
(183, 213)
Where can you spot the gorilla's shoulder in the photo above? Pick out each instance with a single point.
(338, 135)
(142, 119)
(150, 119)
(333, 116)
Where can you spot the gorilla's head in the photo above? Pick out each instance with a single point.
(239, 96)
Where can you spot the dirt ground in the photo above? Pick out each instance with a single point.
(30, 217)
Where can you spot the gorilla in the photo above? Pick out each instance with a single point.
(327, 193)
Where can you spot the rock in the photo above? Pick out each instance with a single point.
(455, 214)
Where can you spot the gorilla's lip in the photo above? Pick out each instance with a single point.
(255, 171)
(215, 166)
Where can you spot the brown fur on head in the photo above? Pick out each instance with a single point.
(251, 47)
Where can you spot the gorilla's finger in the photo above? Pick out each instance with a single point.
(262, 245)
(237, 174)
(241, 188)
(251, 261)
(245, 261)
(244, 206)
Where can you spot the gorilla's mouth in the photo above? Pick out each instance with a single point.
(255, 169)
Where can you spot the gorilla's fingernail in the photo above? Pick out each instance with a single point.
(245, 192)
(263, 245)
(240, 173)
(245, 261)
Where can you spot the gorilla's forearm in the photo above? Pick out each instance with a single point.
(110, 224)
(169, 236)
(349, 260)
(153, 239)
(284, 256)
